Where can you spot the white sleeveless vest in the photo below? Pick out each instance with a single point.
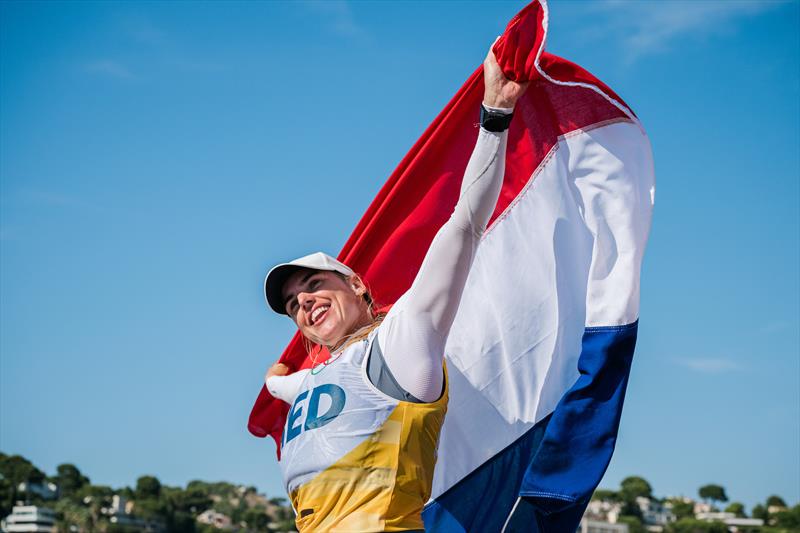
(353, 458)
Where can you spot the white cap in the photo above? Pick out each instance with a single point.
(273, 283)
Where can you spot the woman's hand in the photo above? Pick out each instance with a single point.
(278, 369)
(498, 90)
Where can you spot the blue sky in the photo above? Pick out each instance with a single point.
(157, 158)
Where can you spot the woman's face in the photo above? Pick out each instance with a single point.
(324, 305)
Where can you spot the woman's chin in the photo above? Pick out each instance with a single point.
(326, 338)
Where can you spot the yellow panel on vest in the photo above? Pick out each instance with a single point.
(383, 483)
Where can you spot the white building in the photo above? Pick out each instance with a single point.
(702, 507)
(216, 519)
(733, 522)
(119, 506)
(654, 513)
(596, 526)
(602, 510)
(120, 513)
(30, 518)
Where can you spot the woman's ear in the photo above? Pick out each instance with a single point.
(357, 285)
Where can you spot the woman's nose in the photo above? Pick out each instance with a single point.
(305, 300)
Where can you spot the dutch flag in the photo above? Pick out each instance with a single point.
(540, 352)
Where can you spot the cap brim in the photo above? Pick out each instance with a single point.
(273, 283)
(273, 286)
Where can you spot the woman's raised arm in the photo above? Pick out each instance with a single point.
(413, 335)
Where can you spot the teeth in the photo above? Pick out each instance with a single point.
(318, 311)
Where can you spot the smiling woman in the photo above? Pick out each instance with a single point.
(327, 305)
(359, 445)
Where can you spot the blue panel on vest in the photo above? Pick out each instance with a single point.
(337, 398)
(554, 468)
(292, 429)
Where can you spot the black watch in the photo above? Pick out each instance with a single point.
(493, 121)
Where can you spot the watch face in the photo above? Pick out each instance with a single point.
(491, 121)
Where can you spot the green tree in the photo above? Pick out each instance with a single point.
(95, 498)
(15, 469)
(737, 509)
(151, 509)
(127, 493)
(605, 495)
(257, 519)
(759, 511)
(151, 502)
(715, 493)
(281, 511)
(102, 494)
(634, 524)
(790, 518)
(237, 515)
(198, 485)
(634, 486)
(775, 501)
(681, 509)
(69, 480)
(284, 525)
(690, 525)
(117, 528)
(178, 508)
(220, 488)
(70, 514)
(182, 522)
(7, 495)
(193, 501)
(280, 502)
(147, 488)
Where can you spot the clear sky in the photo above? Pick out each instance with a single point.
(157, 158)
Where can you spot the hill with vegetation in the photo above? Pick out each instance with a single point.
(634, 504)
(205, 507)
(81, 506)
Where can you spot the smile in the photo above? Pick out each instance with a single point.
(318, 312)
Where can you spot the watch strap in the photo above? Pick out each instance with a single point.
(494, 121)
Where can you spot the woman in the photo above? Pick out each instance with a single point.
(360, 440)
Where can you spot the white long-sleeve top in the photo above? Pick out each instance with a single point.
(412, 336)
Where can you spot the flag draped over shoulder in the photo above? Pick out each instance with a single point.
(540, 351)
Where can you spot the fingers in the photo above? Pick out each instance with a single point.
(490, 64)
(278, 369)
(490, 52)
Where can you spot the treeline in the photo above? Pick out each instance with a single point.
(86, 508)
(778, 517)
(83, 507)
